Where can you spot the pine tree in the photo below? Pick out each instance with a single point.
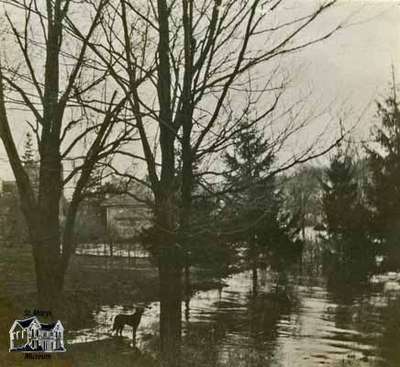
(255, 201)
(346, 218)
(28, 155)
(340, 195)
(252, 190)
(384, 165)
(28, 159)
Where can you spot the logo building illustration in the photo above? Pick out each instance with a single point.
(29, 335)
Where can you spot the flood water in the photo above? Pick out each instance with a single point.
(306, 323)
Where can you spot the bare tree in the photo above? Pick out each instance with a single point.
(47, 81)
(205, 65)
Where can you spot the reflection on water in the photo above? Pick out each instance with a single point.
(307, 323)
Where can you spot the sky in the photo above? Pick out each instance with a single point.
(354, 66)
(346, 72)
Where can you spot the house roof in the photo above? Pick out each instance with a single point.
(48, 326)
(26, 322)
(123, 200)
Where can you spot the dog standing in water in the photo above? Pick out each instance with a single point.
(132, 320)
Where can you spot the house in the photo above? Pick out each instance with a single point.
(29, 335)
(125, 216)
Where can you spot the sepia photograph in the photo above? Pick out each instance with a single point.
(199, 183)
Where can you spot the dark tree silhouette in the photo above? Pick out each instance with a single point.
(70, 115)
(256, 206)
(346, 217)
(384, 185)
(340, 194)
(28, 156)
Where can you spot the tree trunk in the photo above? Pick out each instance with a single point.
(170, 311)
(254, 264)
(170, 266)
(47, 260)
(187, 290)
(45, 232)
(187, 278)
(255, 278)
(49, 277)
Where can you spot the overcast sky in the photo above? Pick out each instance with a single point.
(348, 71)
(354, 66)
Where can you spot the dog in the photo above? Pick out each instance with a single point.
(132, 320)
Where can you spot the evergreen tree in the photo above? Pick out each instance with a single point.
(28, 159)
(346, 218)
(384, 164)
(254, 202)
(28, 155)
(340, 195)
(206, 247)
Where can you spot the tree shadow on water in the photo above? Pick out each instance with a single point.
(238, 332)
